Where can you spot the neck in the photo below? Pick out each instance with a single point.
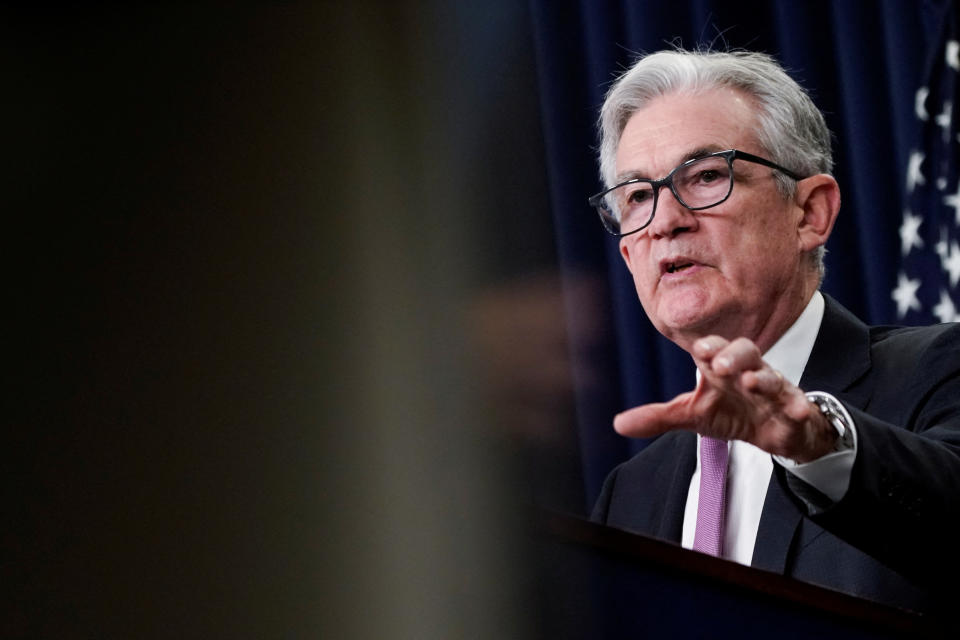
(763, 328)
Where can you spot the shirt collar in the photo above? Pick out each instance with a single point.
(790, 353)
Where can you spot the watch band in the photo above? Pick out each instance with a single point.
(837, 415)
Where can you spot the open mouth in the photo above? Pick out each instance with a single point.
(675, 267)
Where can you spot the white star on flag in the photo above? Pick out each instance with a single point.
(942, 246)
(920, 103)
(945, 309)
(953, 55)
(928, 280)
(944, 119)
(953, 200)
(909, 236)
(914, 175)
(951, 264)
(905, 295)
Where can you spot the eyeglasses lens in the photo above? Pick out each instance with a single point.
(699, 184)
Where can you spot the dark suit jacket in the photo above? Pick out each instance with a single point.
(891, 537)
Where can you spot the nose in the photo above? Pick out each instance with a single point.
(671, 218)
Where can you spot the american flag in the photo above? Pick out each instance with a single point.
(927, 283)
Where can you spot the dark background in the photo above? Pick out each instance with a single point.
(305, 305)
(242, 246)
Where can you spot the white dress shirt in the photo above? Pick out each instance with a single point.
(749, 468)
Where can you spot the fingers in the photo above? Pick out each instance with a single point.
(739, 396)
(728, 358)
(705, 349)
(798, 408)
(651, 420)
(741, 361)
(766, 381)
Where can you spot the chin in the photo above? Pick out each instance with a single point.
(680, 329)
(685, 327)
(686, 312)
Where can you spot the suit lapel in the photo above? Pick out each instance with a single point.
(778, 525)
(840, 357)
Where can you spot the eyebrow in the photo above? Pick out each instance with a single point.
(698, 152)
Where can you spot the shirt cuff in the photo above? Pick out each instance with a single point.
(830, 473)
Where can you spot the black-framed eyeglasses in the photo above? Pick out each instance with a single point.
(697, 184)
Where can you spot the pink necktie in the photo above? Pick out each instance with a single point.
(708, 537)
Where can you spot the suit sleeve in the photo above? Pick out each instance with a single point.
(903, 503)
(602, 506)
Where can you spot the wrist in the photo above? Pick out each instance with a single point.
(831, 423)
(821, 437)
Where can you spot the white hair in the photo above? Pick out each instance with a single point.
(792, 131)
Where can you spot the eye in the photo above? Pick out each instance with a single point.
(703, 172)
(636, 194)
(709, 175)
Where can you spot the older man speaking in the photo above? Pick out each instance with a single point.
(813, 445)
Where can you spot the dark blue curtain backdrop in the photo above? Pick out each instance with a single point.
(862, 61)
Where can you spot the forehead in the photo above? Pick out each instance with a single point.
(673, 127)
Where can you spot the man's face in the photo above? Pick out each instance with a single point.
(731, 270)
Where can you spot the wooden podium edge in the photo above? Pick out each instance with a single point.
(763, 584)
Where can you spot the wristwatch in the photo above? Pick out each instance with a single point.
(837, 415)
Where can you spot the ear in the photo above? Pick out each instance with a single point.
(818, 198)
(625, 253)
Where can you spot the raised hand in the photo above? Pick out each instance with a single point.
(739, 397)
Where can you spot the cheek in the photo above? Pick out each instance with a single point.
(767, 238)
(766, 257)
(637, 258)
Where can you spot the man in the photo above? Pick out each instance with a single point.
(812, 445)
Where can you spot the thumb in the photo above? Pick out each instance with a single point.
(653, 419)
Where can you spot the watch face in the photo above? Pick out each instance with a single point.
(836, 414)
